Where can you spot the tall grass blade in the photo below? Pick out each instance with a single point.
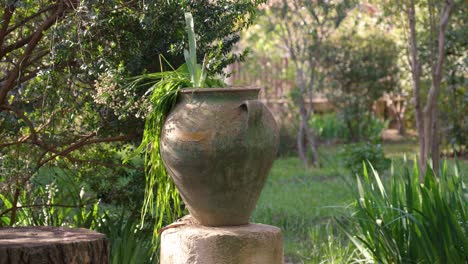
(379, 182)
(191, 38)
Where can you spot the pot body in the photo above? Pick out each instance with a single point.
(218, 146)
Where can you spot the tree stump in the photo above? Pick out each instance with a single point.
(46, 244)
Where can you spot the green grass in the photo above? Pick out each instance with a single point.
(303, 201)
(398, 149)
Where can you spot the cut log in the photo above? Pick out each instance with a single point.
(52, 245)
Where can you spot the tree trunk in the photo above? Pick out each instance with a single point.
(303, 124)
(313, 145)
(53, 245)
(301, 148)
(400, 115)
(428, 132)
(310, 112)
(432, 108)
(435, 147)
(416, 76)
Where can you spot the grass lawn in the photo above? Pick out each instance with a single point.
(303, 202)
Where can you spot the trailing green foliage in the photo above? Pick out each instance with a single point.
(165, 204)
(411, 222)
(355, 154)
(164, 97)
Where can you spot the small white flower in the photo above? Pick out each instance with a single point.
(82, 193)
(362, 201)
(379, 222)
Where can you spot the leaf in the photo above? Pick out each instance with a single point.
(5, 201)
(191, 38)
(360, 246)
(379, 182)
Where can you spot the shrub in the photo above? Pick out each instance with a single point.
(355, 154)
(414, 223)
(57, 201)
(329, 127)
(288, 140)
(332, 126)
(128, 244)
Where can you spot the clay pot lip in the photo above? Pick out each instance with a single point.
(217, 90)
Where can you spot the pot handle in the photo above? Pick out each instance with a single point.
(254, 110)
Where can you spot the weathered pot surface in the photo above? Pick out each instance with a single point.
(218, 146)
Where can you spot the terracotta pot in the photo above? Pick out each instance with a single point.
(218, 146)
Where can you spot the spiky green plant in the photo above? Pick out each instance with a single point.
(413, 223)
(164, 88)
(127, 243)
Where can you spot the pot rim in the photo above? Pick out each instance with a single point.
(227, 89)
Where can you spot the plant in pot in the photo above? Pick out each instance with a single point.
(217, 145)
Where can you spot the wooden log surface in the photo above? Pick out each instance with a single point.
(46, 244)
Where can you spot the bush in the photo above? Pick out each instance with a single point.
(332, 126)
(128, 244)
(414, 223)
(57, 201)
(288, 141)
(355, 154)
(329, 127)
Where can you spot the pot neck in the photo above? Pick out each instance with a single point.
(219, 94)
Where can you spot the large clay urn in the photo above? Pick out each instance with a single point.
(218, 146)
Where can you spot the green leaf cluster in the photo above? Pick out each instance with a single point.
(355, 154)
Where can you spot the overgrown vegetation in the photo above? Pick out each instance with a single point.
(67, 124)
(304, 202)
(411, 221)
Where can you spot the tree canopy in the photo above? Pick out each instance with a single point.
(63, 62)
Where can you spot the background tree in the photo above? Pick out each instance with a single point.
(454, 101)
(360, 69)
(427, 112)
(303, 26)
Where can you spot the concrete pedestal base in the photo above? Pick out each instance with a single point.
(248, 244)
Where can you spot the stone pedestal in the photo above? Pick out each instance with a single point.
(53, 245)
(247, 244)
